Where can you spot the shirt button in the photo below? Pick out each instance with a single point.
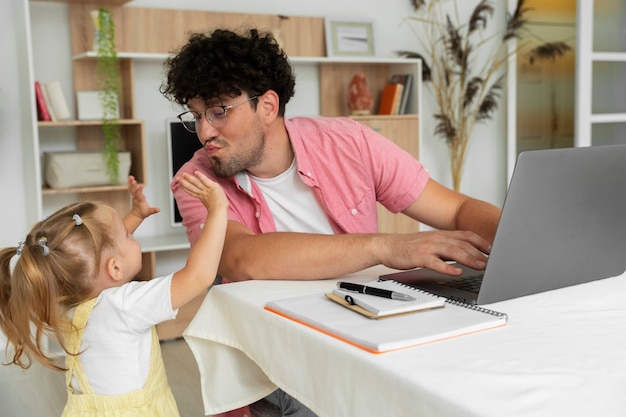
(201, 226)
(257, 214)
(354, 211)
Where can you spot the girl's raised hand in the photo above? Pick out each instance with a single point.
(140, 207)
(207, 191)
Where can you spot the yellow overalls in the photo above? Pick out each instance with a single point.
(154, 399)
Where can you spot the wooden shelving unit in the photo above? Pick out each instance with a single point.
(150, 35)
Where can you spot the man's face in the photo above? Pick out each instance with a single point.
(236, 146)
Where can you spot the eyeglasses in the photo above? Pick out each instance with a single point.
(215, 115)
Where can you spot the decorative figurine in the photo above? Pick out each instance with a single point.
(360, 100)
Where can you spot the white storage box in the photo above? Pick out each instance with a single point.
(77, 169)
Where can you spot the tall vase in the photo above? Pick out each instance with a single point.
(457, 148)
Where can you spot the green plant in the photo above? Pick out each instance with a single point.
(466, 81)
(109, 79)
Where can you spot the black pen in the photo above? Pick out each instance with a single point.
(363, 289)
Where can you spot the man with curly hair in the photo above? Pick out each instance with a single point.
(303, 191)
(314, 180)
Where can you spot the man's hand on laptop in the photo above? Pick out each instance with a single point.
(432, 249)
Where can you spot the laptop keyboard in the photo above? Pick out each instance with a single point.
(471, 283)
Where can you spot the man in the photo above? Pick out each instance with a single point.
(303, 192)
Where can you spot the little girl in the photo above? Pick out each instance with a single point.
(73, 279)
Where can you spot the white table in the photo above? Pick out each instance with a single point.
(562, 353)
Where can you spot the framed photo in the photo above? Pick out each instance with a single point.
(346, 37)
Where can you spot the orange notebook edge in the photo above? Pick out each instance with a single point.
(377, 352)
(310, 326)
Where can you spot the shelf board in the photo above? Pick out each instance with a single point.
(313, 60)
(351, 60)
(66, 123)
(160, 243)
(101, 2)
(88, 189)
(137, 56)
(608, 118)
(609, 56)
(384, 116)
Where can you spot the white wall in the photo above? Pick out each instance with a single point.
(485, 170)
(14, 89)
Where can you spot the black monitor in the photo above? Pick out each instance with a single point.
(181, 145)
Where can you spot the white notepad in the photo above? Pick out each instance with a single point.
(382, 307)
(397, 332)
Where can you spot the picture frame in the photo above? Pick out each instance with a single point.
(349, 37)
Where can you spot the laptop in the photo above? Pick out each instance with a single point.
(563, 223)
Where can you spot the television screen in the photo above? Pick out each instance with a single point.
(181, 145)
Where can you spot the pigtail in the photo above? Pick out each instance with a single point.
(6, 317)
(55, 271)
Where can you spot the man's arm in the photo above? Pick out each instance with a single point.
(284, 255)
(445, 209)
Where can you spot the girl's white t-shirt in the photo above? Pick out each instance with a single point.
(117, 342)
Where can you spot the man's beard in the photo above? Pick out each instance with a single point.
(246, 159)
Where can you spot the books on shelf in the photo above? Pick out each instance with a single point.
(407, 81)
(57, 100)
(376, 307)
(395, 96)
(390, 99)
(400, 331)
(42, 107)
(51, 103)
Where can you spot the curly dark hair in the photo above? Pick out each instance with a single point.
(226, 63)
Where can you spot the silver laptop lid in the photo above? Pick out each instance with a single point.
(563, 222)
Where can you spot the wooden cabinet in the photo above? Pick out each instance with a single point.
(403, 130)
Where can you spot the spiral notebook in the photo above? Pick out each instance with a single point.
(401, 331)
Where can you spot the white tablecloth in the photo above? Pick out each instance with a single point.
(562, 353)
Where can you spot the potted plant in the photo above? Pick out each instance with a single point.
(109, 78)
(466, 81)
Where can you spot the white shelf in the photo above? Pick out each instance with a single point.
(314, 60)
(161, 243)
(609, 56)
(608, 118)
(137, 56)
(361, 60)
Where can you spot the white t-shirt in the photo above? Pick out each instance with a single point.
(293, 204)
(116, 345)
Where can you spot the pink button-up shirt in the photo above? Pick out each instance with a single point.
(348, 166)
